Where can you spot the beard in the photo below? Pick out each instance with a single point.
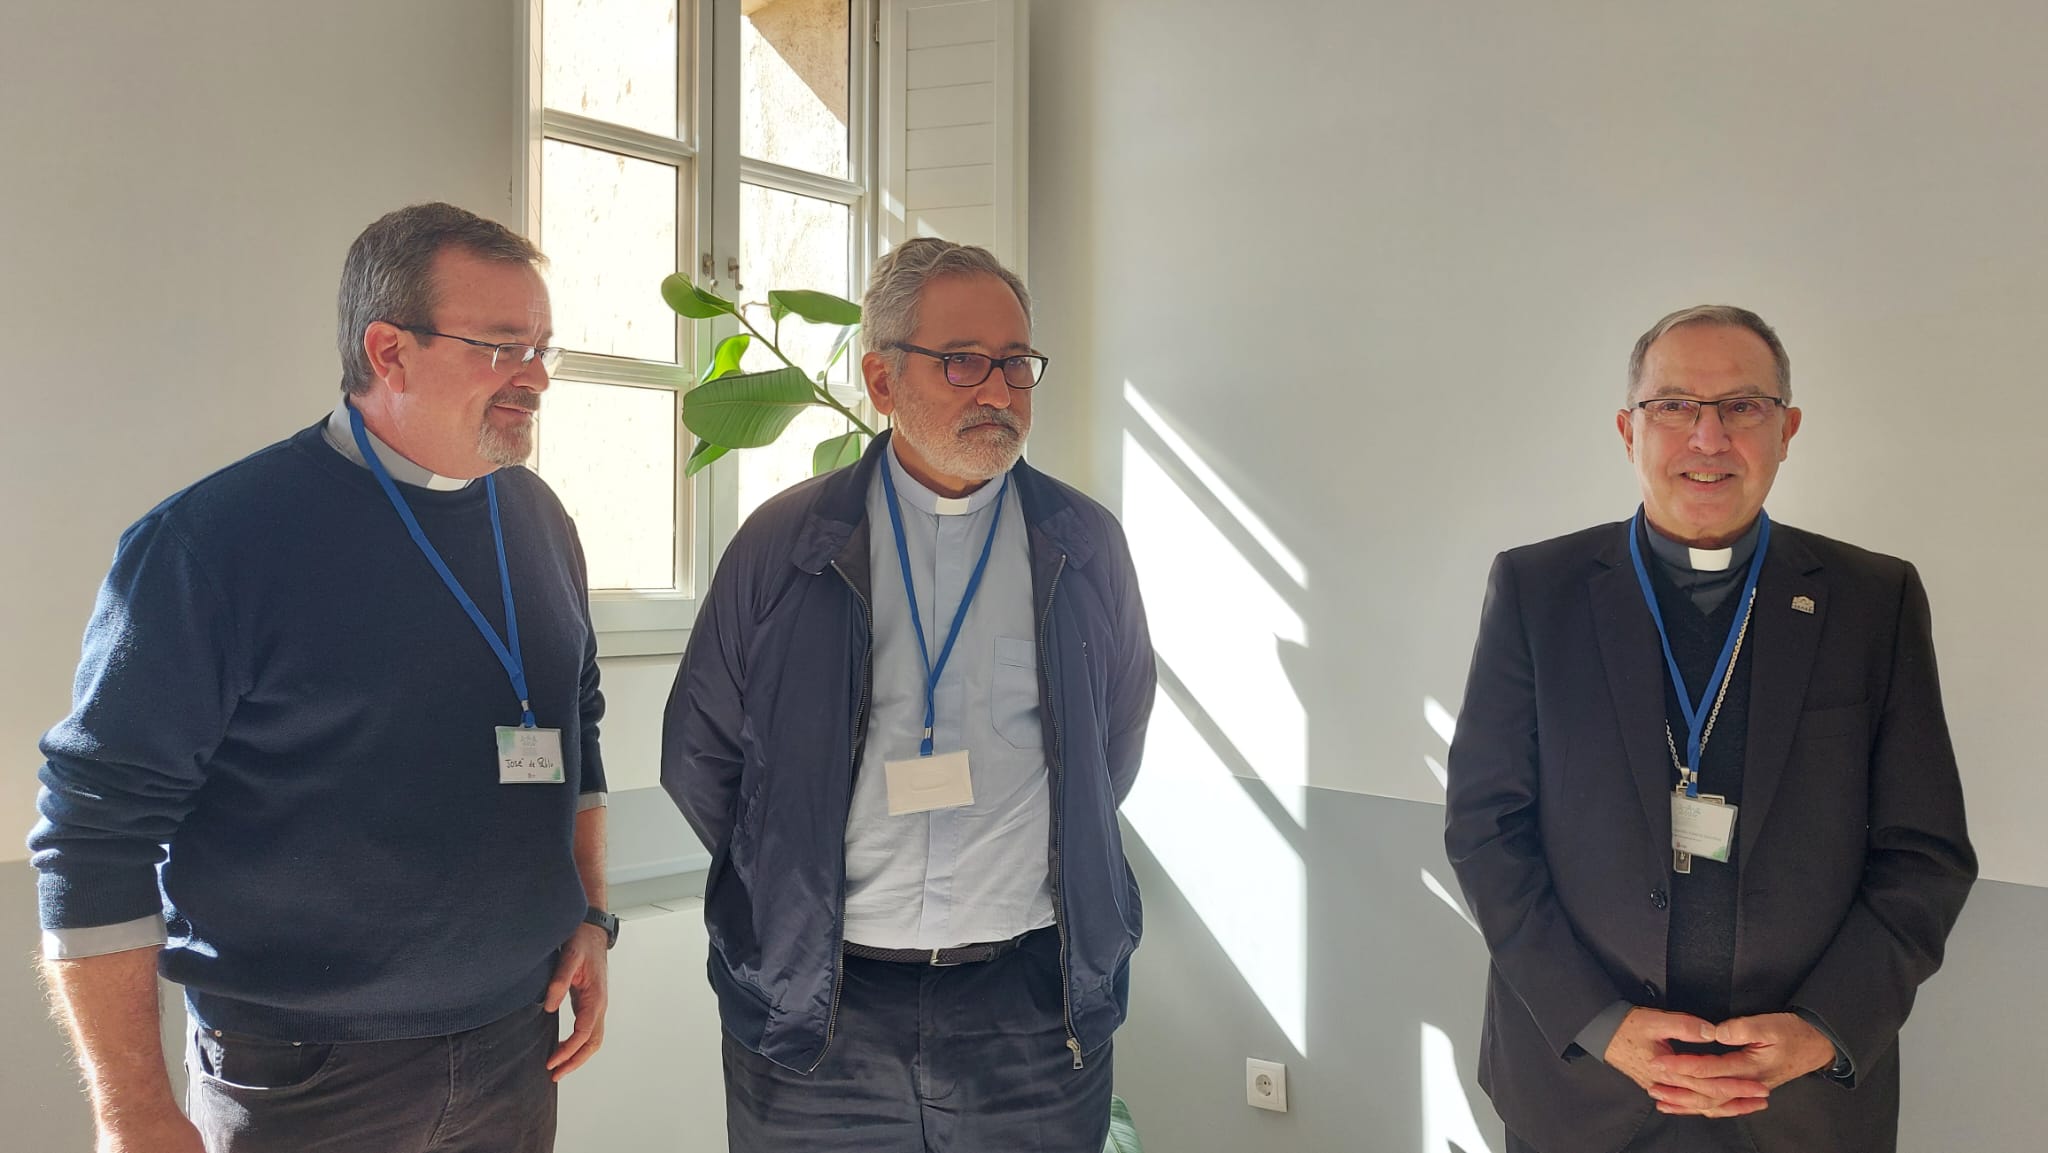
(505, 447)
(961, 446)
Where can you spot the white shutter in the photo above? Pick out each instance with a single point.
(953, 144)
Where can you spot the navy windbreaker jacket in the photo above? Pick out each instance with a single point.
(764, 729)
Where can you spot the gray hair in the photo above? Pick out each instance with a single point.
(388, 274)
(1722, 315)
(888, 312)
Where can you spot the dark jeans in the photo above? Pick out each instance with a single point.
(967, 1059)
(483, 1091)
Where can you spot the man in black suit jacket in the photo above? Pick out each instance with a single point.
(1773, 693)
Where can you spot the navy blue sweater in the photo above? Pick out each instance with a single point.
(281, 702)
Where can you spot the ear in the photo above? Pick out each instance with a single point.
(1626, 426)
(384, 345)
(1792, 416)
(874, 368)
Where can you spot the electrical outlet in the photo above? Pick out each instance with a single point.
(1265, 1084)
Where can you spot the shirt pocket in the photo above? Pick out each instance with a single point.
(1013, 693)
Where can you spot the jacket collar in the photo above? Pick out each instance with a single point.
(836, 527)
(1781, 645)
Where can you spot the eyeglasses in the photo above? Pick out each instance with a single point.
(969, 369)
(505, 358)
(1738, 413)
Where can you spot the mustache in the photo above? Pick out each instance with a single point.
(520, 398)
(997, 416)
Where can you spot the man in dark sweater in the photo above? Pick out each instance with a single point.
(1702, 798)
(332, 760)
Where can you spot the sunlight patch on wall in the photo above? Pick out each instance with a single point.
(1218, 625)
(1224, 494)
(1439, 718)
(1242, 877)
(1447, 1121)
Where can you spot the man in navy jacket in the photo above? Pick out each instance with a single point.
(912, 701)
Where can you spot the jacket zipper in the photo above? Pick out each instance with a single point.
(1059, 770)
(860, 714)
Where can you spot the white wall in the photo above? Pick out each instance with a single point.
(182, 181)
(1381, 265)
(180, 184)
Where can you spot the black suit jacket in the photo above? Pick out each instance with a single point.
(1854, 859)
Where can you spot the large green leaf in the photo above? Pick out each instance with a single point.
(702, 456)
(840, 344)
(816, 307)
(691, 301)
(748, 409)
(1123, 1134)
(837, 452)
(726, 360)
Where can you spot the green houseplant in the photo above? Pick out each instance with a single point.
(729, 409)
(1123, 1135)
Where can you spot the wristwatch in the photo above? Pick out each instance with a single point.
(609, 922)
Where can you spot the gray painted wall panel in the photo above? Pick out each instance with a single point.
(41, 1098)
(1388, 960)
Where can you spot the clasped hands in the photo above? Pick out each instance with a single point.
(1770, 1050)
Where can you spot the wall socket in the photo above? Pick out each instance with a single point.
(1265, 1084)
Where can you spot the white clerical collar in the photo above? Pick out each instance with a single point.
(342, 439)
(1710, 559)
(1685, 558)
(917, 496)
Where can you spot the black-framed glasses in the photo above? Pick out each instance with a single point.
(1738, 413)
(505, 358)
(969, 369)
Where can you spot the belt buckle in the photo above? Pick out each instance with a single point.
(938, 964)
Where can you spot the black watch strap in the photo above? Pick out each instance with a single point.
(609, 922)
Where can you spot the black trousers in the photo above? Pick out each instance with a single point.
(486, 1090)
(967, 1059)
(1666, 1134)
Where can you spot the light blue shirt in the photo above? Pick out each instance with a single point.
(979, 872)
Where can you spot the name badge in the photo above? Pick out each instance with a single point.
(923, 784)
(529, 756)
(1702, 826)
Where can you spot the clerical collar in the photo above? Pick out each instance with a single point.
(917, 496)
(1681, 557)
(342, 439)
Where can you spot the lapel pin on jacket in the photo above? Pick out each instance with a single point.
(1802, 604)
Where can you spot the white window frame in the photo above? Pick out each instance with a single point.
(648, 623)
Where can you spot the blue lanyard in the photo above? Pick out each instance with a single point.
(924, 650)
(507, 649)
(1695, 715)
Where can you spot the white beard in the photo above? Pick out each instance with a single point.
(949, 449)
(505, 448)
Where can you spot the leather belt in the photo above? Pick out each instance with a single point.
(943, 958)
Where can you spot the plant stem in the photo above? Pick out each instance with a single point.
(817, 390)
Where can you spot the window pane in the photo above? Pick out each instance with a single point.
(767, 471)
(612, 60)
(793, 84)
(790, 241)
(609, 451)
(608, 225)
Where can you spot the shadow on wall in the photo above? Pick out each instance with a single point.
(1311, 927)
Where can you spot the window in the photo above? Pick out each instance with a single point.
(757, 145)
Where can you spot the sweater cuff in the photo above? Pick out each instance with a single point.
(99, 940)
(593, 800)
